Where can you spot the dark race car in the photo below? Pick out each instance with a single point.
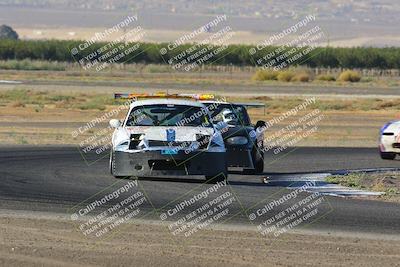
(243, 143)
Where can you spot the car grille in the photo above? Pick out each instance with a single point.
(169, 164)
(165, 143)
(396, 145)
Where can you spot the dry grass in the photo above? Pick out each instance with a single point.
(325, 77)
(304, 75)
(24, 97)
(285, 76)
(93, 101)
(301, 77)
(49, 117)
(380, 182)
(160, 74)
(265, 75)
(349, 76)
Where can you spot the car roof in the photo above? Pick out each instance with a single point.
(164, 101)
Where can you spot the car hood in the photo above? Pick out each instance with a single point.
(393, 127)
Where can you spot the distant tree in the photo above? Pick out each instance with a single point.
(6, 32)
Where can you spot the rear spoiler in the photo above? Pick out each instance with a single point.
(252, 105)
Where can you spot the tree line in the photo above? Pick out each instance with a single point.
(238, 55)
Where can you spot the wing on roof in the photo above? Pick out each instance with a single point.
(253, 105)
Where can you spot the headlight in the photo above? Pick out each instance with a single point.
(237, 140)
(123, 145)
(253, 135)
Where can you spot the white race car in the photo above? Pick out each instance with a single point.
(390, 140)
(167, 137)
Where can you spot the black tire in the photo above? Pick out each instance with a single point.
(258, 163)
(388, 155)
(112, 166)
(259, 166)
(217, 178)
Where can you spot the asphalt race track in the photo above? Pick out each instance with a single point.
(57, 179)
(332, 91)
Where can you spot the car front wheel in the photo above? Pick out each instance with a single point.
(258, 163)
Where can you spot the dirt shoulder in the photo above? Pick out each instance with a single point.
(386, 182)
(51, 117)
(50, 242)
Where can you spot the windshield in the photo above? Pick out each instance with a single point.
(168, 115)
(229, 113)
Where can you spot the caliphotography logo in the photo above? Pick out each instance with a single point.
(207, 44)
(98, 52)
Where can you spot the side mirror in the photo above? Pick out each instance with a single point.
(114, 123)
(260, 124)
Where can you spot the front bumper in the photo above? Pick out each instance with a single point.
(389, 144)
(153, 163)
(239, 156)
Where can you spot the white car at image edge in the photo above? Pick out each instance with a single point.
(167, 137)
(390, 140)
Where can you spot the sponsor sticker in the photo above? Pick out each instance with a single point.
(170, 135)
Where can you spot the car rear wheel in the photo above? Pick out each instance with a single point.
(259, 166)
(388, 155)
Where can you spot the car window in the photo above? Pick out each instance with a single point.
(168, 115)
(231, 114)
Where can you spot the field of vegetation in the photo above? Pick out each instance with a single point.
(149, 53)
